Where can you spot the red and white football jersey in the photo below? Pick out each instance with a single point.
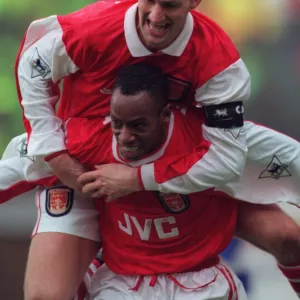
(88, 47)
(164, 233)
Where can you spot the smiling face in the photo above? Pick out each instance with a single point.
(161, 21)
(138, 123)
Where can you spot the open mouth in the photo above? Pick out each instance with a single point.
(129, 149)
(158, 29)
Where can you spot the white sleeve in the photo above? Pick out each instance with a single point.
(62, 210)
(272, 172)
(43, 61)
(226, 157)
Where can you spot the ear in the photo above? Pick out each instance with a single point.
(194, 3)
(165, 114)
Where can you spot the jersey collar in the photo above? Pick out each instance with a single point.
(136, 47)
(153, 156)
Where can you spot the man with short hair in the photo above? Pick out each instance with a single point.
(141, 122)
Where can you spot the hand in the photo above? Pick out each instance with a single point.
(67, 169)
(111, 180)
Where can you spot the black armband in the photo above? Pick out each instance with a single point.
(227, 115)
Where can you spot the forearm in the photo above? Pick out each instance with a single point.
(270, 229)
(207, 167)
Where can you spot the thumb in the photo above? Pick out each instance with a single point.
(98, 167)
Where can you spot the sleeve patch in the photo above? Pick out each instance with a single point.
(59, 201)
(39, 66)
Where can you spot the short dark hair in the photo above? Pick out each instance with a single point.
(143, 77)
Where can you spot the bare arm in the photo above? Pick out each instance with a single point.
(270, 229)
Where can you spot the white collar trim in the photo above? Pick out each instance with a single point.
(156, 155)
(136, 47)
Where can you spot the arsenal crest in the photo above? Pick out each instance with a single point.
(178, 89)
(59, 201)
(174, 203)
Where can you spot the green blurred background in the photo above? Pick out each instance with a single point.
(267, 33)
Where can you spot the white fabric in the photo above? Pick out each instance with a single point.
(231, 85)
(107, 285)
(38, 92)
(136, 47)
(264, 146)
(216, 168)
(16, 166)
(82, 219)
(267, 147)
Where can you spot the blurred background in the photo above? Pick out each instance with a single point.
(267, 33)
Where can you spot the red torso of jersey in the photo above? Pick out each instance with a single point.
(149, 232)
(101, 49)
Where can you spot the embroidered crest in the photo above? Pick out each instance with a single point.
(39, 66)
(59, 201)
(178, 89)
(174, 203)
(275, 169)
(22, 149)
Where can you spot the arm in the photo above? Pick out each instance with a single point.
(270, 229)
(41, 63)
(62, 247)
(223, 86)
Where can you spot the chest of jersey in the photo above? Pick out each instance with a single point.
(88, 94)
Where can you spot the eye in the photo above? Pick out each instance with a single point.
(170, 5)
(116, 123)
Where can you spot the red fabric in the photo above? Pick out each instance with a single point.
(49, 157)
(25, 186)
(292, 273)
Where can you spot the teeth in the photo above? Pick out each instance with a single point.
(129, 149)
(159, 28)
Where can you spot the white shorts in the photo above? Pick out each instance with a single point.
(59, 209)
(218, 283)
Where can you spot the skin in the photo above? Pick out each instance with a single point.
(161, 21)
(140, 126)
(170, 13)
(138, 123)
(56, 265)
(270, 229)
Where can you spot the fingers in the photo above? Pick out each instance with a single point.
(91, 187)
(88, 177)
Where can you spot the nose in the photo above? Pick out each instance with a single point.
(125, 136)
(156, 14)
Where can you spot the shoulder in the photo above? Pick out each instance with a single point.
(98, 19)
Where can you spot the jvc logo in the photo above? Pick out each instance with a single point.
(144, 230)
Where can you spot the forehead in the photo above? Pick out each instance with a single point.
(131, 106)
(171, 1)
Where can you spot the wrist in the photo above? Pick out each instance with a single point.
(140, 180)
(136, 180)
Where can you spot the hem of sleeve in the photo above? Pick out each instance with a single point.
(147, 177)
(141, 184)
(93, 237)
(44, 145)
(49, 157)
